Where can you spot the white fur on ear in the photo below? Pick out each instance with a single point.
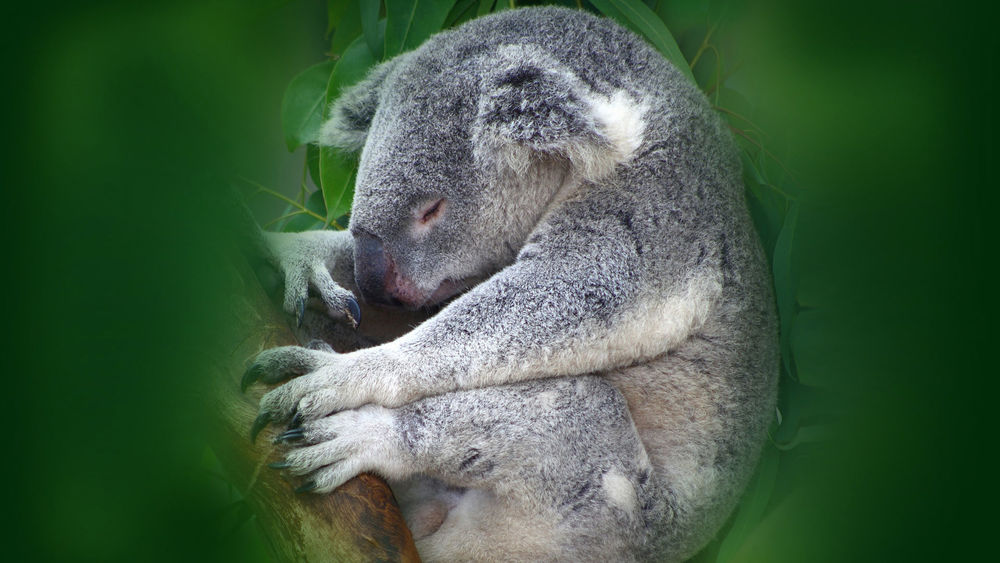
(620, 120)
(618, 126)
(536, 107)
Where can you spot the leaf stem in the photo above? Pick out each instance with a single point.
(284, 198)
(285, 216)
(756, 128)
(755, 143)
(703, 46)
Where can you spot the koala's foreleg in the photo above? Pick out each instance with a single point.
(561, 454)
(581, 298)
(321, 259)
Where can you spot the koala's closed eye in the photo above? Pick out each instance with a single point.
(431, 212)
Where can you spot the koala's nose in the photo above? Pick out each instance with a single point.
(371, 265)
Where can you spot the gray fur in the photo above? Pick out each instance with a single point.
(593, 222)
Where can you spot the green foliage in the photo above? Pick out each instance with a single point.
(410, 22)
(639, 18)
(343, 24)
(360, 40)
(302, 106)
(336, 170)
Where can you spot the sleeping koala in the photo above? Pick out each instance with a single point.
(598, 378)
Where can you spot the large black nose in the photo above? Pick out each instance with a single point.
(370, 267)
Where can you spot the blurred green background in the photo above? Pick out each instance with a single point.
(123, 119)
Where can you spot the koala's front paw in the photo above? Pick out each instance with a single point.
(328, 382)
(331, 450)
(301, 258)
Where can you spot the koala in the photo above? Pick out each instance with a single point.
(598, 367)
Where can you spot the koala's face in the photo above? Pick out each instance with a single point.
(424, 217)
(460, 158)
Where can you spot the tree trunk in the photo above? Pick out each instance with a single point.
(360, 521)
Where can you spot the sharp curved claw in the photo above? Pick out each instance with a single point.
(300, 310)
(279, 465)
(296, 421)
(306, 487)
(259, 423)
(289, 435)
(252, 374)
(354, 311)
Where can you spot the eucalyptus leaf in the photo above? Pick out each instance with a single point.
(786, 282)
(410, 22)
(316, 204)
(485, 7)
(312, 163)
(335, 10)
(767, 204)
(369, 25)
(302, 105)
(347, 28)
(301, 223)
(638, 17)
(463, 11)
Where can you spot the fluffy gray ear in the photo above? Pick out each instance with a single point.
(351, 114)
(533, 106)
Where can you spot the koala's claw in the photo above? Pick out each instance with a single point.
(306, 487)
(354, 312)
(296, 421)
(259, 423)
(252, 374)
(290, 435)
(279, 465)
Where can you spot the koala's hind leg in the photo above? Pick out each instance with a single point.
(551, 470)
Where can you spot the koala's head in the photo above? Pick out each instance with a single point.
(462, 152)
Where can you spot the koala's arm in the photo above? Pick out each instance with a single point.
(582, 297)
(322, 259)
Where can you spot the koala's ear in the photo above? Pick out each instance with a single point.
(532, 106)
(351, 114)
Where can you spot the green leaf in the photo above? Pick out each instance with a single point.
(302, 106)
(301, 223)
(767, 204)
(369, 25)
(335, 10)
(338, 190)
(637, 16)
(485, 7)
(752, 506)
(347, 28)
(316, 204)
(786, 283)
(463, 11)
(410, 22)
(312, 163)
(336, 171)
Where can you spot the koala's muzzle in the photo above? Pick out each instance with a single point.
(375, 272)
(371, 267)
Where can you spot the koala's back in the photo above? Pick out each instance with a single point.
(702, 409)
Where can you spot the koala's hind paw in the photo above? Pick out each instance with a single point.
(331, 450)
